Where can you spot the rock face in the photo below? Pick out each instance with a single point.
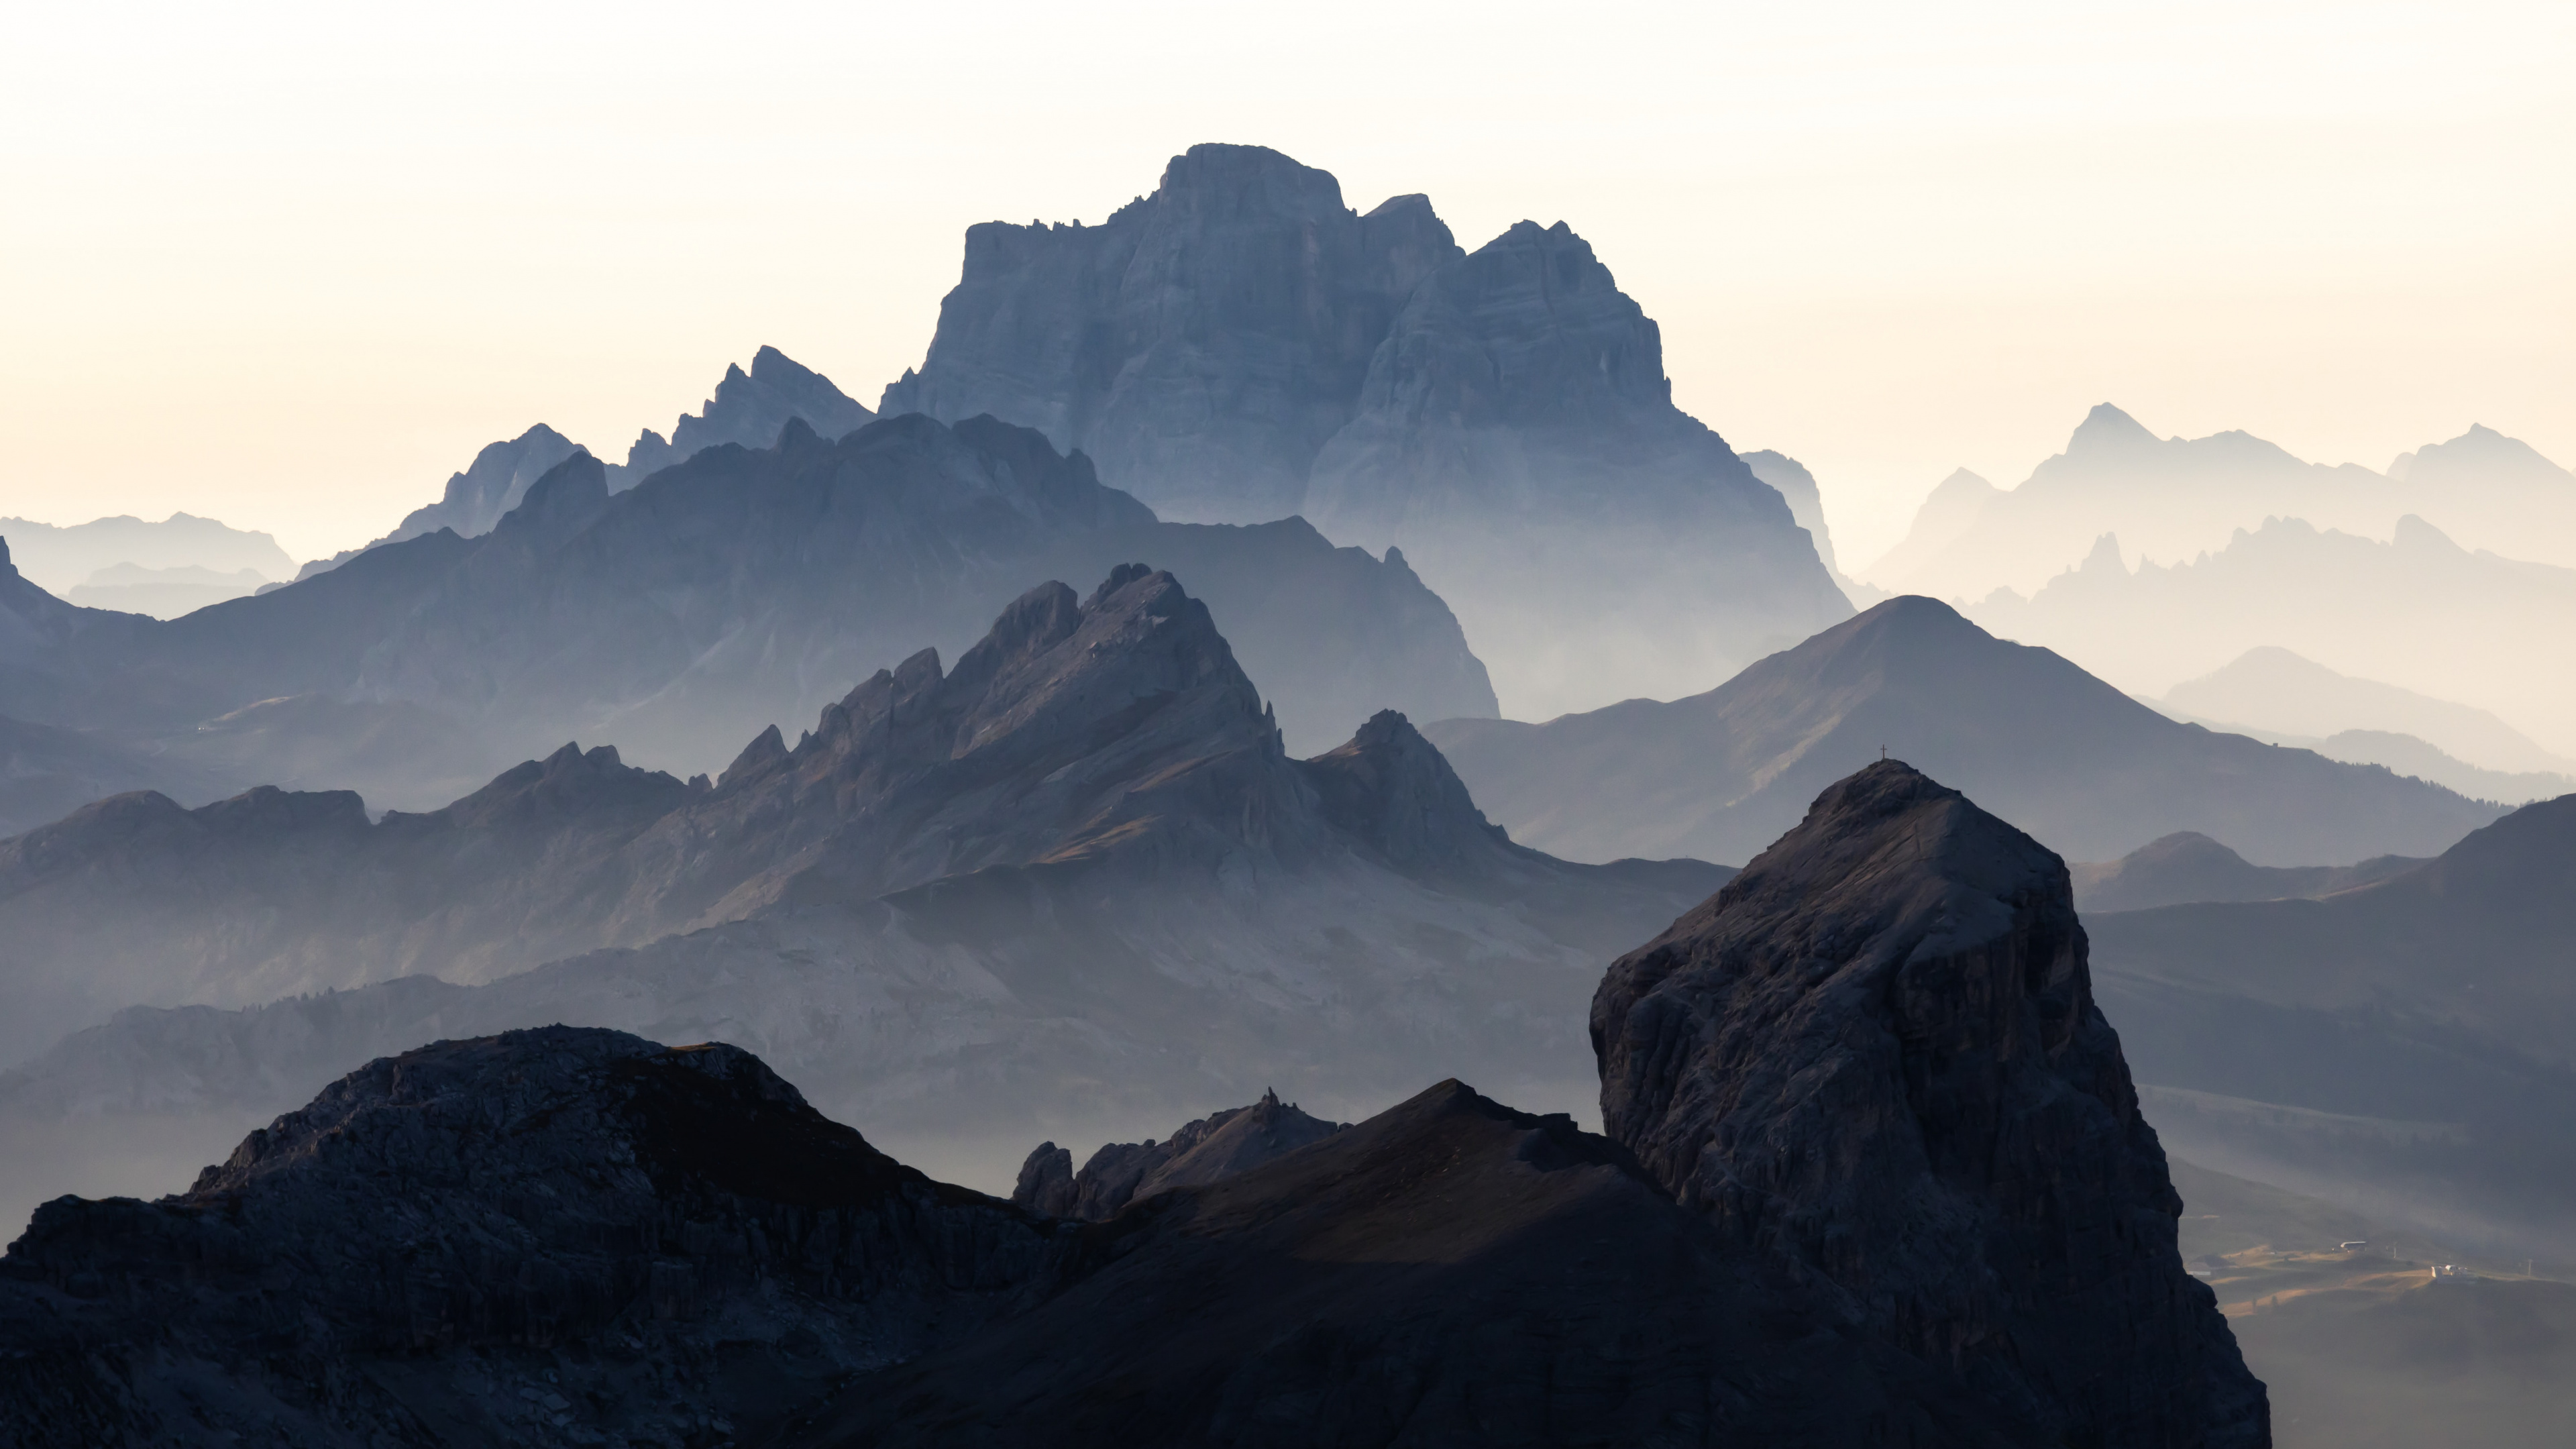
(491, 486)
(743, 588)
(1875, 1058)
(1212, 1148)
(750, 409)
(1239, 346)
(546, 1233)
(2073, 760)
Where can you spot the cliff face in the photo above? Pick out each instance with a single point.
(1200, 345)
(1239, 346)
(1876, 1058)
(497, 1241)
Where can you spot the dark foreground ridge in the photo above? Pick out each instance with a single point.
(1879, 1180)
(1874, 1057)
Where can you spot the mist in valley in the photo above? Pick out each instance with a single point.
(1292, 776)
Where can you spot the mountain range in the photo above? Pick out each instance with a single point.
(579, 1233)
(2067, 757)
(1240, 346)
(2417, 611)
(2275, 691)
(1074, 878)
(736, 590)
(60, 559)
(2399, 1046)
(2171, 499)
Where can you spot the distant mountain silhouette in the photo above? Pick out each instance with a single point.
(743, 588)
(1240, 346)
(750, 409)
(59, 559)
(2188, 866)
(2418, 612)
(1077, 868)
(2401, 1046)
(2171, 499)
(2085, 768)
(2276, 690)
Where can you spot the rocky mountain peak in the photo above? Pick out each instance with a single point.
(559, 501)
(2107, 430)
(1391, 788)
(1875, 1056)
(1211, 1149)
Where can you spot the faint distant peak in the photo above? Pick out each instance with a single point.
(2107, 428)
(1962, 484)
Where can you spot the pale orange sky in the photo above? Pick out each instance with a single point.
(291, 266)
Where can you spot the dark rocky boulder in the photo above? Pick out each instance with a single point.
(1210, 1149)
(547, 1235)
(1875, 1057)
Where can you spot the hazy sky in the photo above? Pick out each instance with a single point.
(290, 266)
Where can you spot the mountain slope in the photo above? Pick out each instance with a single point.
(1079, 865)
(2401, 1046)
(2187, 866)
(740, 589)
(2274, 689)
(1240, 345)
(2418, 612)
(1875, 1055)
(2077, 763)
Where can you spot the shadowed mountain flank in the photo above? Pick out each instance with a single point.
(1239, 346)
(2401, 1046)
(481, 1241)
(2079, 764)
(1079, 868)
(1233, 1141)
(2187, 866)
(742, 588)
(1875, 1057)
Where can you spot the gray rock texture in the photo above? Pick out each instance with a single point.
(1875, 1058)
(1208, 1150)
(492, 485)
(1240, 346)
(547, 1236)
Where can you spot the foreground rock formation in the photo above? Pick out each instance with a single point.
(581, 1237)
(1240, 346)
(1875, 1059)
(549, 1236)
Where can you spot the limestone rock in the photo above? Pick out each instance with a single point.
(1875, 1058)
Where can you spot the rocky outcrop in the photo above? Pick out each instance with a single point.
(1240, 345)
(750, 409)
(1208, 1150)
(1875, 1058)
(492, 485)
(1450, 1271)
(1200, 346)
(550, 1234)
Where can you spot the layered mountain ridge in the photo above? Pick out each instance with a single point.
(578, 1232)
(739, 589)
(1079, 863)
(2076, 762)
(1240, 346)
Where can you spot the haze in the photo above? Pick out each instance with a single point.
(290, 268)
